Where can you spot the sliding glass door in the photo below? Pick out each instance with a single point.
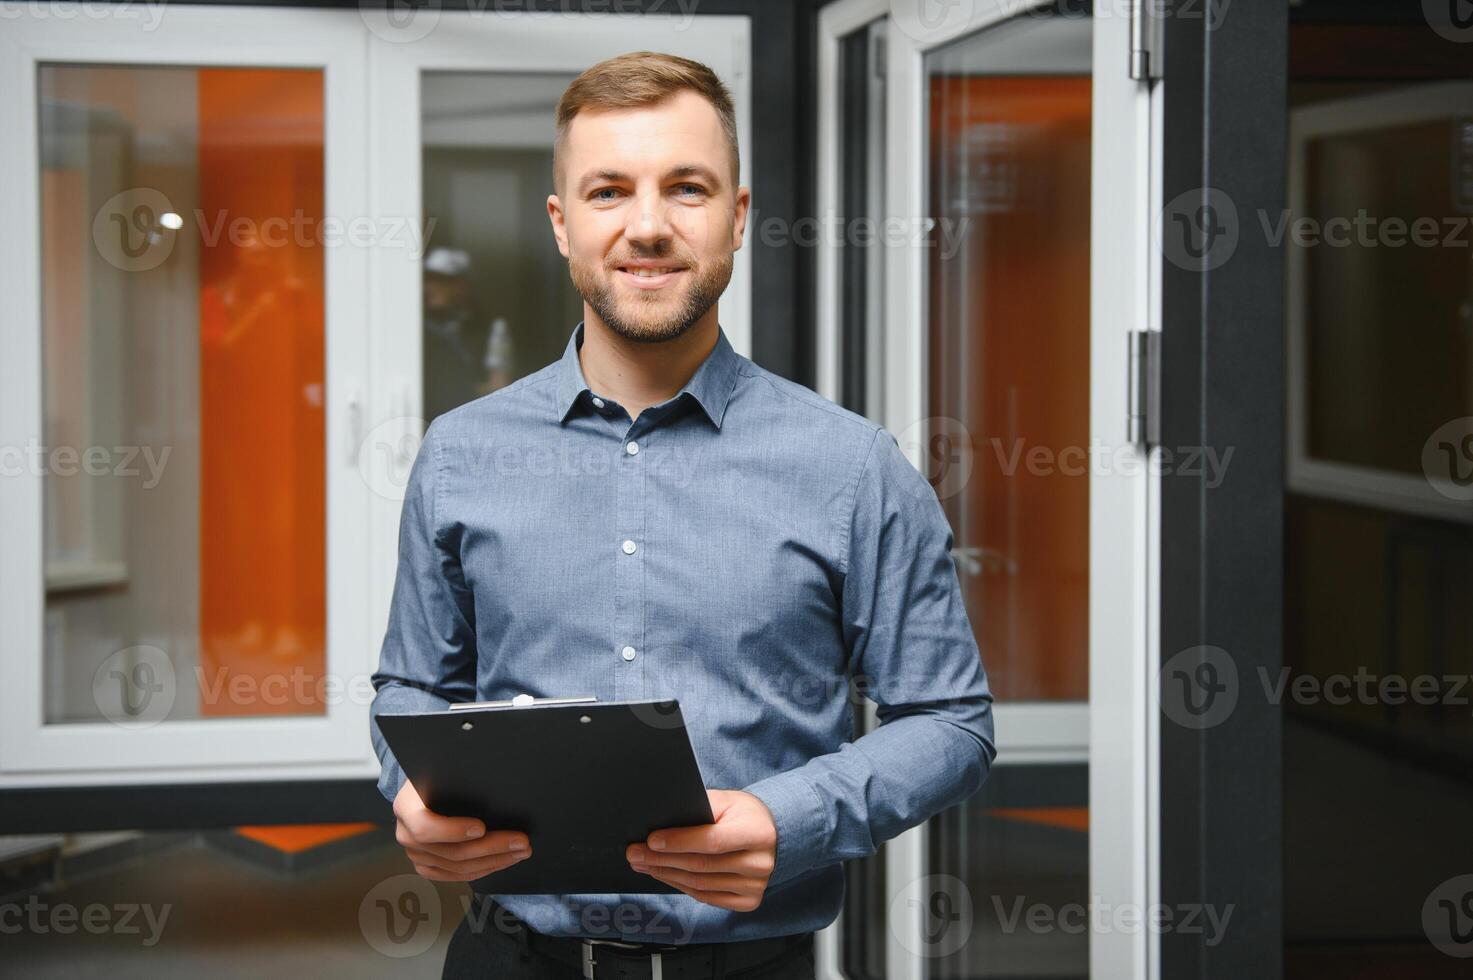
(1016, 213)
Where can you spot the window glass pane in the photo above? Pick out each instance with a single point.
(498, 301)
(1009, 343)
(183, 451)
(1388, 321)
(1008, 373)
(1017, 856)
(1377, 641)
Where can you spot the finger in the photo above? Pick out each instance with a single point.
(725, 900)
(496, 842)
(706, 839)
(426, 827)
(476, 868)
(430, 856)
(735, 884)
(434, 874)
(739, 862)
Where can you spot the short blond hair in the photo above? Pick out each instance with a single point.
(643, 78)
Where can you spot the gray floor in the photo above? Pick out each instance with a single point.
(1368, 840)
(220, 916)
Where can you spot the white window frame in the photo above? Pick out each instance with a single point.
(1305, 474)
(334, 744)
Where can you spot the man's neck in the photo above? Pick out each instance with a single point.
(638, 375)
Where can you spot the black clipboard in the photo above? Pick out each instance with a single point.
(582, 779)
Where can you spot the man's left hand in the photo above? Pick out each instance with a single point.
(726, 863)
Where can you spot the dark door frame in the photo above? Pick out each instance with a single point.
(1224, 133)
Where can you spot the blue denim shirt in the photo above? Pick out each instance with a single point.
(747, 547)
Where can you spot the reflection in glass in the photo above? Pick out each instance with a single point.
(498, 302)
(1377, 638)
(182, 313)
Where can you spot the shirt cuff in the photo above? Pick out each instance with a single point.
(391, 780)
(797, 811)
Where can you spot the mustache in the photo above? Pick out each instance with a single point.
(672, 258)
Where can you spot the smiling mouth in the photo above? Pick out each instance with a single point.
(650, 277)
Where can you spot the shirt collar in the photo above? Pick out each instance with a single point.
(710, 386)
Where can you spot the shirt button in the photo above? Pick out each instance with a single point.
(628, 653)
(631, 447)
(598, 403)
(628, 547)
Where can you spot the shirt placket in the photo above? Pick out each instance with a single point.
(632, 544)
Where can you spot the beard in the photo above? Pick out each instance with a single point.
(652, 316)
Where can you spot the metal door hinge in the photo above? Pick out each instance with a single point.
(1143, 415)
(1146, 33)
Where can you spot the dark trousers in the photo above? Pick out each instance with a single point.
(483, 950)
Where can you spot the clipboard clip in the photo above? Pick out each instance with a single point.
(522, 701)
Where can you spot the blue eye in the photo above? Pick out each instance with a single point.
(597, 195)
(691, 187)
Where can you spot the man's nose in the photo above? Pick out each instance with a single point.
(649, 222)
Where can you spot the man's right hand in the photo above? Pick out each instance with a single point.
(453, 848)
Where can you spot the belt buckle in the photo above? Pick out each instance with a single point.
(657, 966)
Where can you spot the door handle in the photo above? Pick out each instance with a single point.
(355, 425)
(972, 560)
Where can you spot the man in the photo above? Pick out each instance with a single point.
(456, 334)
(656, 516)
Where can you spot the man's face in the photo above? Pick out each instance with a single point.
(648, 216)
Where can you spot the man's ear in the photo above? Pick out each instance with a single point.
(559, 227)
(739, 225)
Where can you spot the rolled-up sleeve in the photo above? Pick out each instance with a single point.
(428, 657)
(913, 652)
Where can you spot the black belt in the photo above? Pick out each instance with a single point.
(605, 959)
